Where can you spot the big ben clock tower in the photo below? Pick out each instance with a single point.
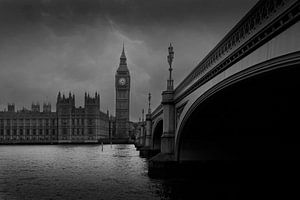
(122, 84)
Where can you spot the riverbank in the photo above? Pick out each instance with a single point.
(102, 141)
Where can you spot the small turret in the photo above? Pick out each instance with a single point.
(92, 101)
(35, 107)
(58, 97)
(65, 103)
(47, 107)
(11, 107)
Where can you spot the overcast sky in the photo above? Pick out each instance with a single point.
(48, 46)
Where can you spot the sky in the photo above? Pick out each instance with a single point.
(47, 46)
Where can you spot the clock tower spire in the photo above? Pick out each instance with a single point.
(122, 85)
(123, 62)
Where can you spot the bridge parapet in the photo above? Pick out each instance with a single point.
(265, 20)
(157, 112)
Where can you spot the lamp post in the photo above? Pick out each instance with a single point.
(149, 102)
(170, 58)
(142, 129)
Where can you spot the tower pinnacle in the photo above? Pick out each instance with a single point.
(123, 53)
(123, 61)
(123, 56)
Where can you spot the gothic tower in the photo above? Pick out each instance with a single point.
(65, 106)
(122, 84)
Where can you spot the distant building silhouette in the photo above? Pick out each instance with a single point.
(67, 125)
(70, 124)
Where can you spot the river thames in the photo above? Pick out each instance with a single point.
(88, 172)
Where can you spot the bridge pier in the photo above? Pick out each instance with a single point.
(164, 163)
(148, 151)
(168, 137)
(148, 131)
(138, 143)
(141, 137)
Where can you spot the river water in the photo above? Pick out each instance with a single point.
(88, 172)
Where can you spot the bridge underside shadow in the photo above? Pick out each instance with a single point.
(245, 133)
(254, 119)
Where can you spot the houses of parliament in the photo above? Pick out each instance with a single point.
(71, 124)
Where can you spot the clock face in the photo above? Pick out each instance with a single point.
(122, 81)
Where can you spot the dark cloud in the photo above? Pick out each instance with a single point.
(74, 45)
(136, 13)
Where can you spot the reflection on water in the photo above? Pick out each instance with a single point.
(87, 172)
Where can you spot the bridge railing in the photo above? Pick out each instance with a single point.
(157, 111)
(251, 30)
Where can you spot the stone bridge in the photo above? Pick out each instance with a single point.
(240, 102)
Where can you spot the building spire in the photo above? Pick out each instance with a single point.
(123, 58)
(123, 53)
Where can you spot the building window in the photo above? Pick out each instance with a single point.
(2, 132)
(14, 132)
(33, 132)
(53, 131)
(64, 122)
(27, 132)
(47, 132)
(90, 122)
(41, 131)
(21, 131)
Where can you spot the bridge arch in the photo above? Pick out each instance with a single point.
(157, 133)
(249, 115)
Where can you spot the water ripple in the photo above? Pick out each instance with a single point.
(73, 172)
